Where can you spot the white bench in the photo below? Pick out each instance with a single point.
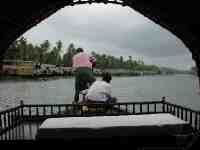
(70, 128)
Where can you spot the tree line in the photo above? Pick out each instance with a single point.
(45, 53)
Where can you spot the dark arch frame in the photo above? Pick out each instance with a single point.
(181, 19)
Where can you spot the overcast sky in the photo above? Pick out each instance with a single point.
(115, 30)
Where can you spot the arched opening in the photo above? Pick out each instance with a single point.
(156, 11)
(152, 84)
(107, 29)
(164, 14)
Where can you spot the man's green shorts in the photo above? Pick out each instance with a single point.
(83, 77)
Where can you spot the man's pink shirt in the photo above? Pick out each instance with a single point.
(81, 60)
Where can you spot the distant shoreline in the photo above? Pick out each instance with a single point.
(52, 77)
(32, 78)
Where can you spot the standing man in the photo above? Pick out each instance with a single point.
(82, 64)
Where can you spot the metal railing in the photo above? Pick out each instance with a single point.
(31, 112)
(10, 118)
(184, 113)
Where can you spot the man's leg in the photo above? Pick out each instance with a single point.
(77, 87)
(91, 78)
(76, 96)
(83, 77)
(80, 84)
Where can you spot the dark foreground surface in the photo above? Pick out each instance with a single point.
(25, 134)
(20, 125)
(134, 143)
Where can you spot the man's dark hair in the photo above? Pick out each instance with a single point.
(106, 76)
(79, 50)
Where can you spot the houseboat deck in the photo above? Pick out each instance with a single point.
(24, 121)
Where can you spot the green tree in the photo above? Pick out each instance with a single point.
(54, 57)
(23, 50)
(13, 52)
(44, 47)
(121, 59)
(31, 52)
(67, 57)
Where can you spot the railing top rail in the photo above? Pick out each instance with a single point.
(10, 110)
(119, 103)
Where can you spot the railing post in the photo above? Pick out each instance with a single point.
(44, 110)
(22, 109)
(66, 109)
(133, 108)
(9, 123)
(171, 111)
(140, 108)
(59, 109)
(0, 122)
(168, 108)
(199, 121)
(148, 110)
(52, 110)
(118, 109)
(4, 120)
(29, 112)
(181, 113)
(174, 110)
(12, 119)
(18, 115)
(37, 111)
(196, 121)
(191, 118)
(15, 115)
(163, 103)
(155, 110)
(186, 115)
(178, 112)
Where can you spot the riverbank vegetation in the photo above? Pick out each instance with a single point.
(46, 53)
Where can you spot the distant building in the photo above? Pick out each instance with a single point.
(9, 67)
(17, 67)
(25, 68)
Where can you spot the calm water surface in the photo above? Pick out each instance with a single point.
(179, 89)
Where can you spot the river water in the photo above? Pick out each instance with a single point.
(179, 89)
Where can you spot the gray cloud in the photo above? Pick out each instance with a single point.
(114, 30)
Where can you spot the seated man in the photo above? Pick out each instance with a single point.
(100, 91)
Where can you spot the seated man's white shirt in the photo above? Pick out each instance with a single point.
(97, 91)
